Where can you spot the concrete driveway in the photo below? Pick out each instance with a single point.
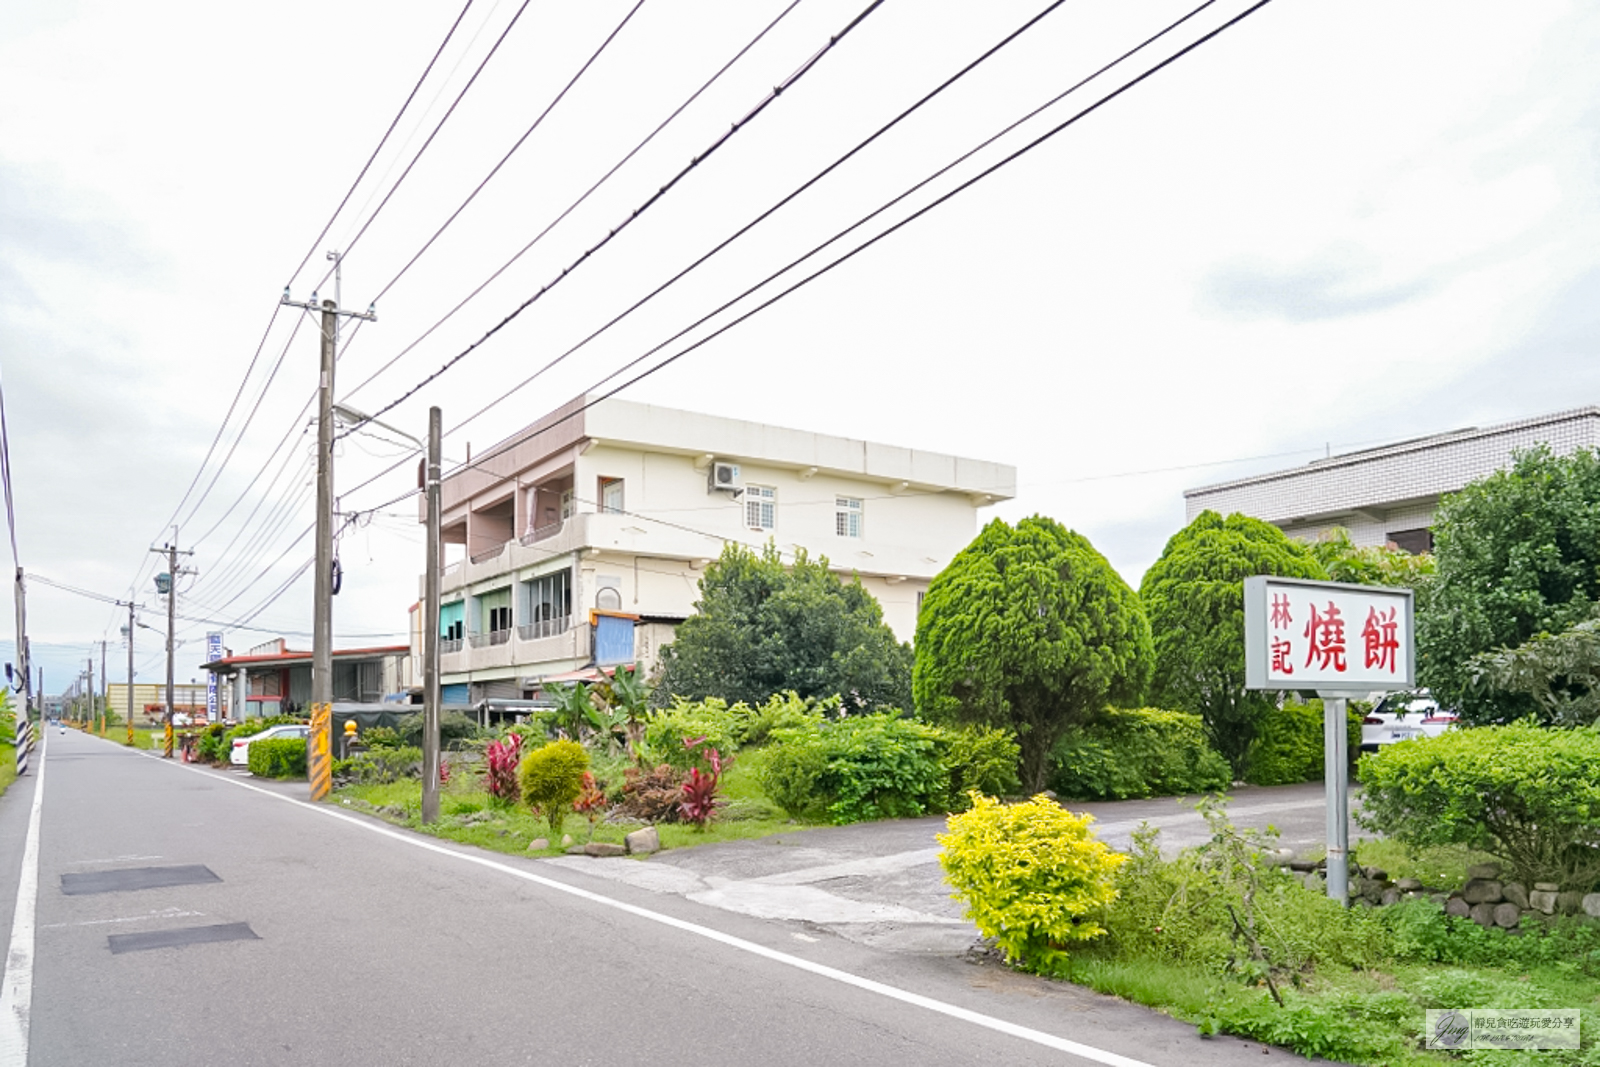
(880, 883)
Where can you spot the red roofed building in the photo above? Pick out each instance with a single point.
(274, 679)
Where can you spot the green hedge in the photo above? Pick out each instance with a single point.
(1128, 754)
(1288, 745)
(377, 766)
(1527, 794)
(278, 757)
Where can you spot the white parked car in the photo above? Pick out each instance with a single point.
(1403, 718)
(240, 756)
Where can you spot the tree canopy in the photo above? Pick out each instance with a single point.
(1518, 554)
(1194, 595)
(1030, 629)
(762, 627)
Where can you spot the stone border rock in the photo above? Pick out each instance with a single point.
(1484, 899)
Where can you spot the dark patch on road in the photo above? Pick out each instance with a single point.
(193, 935)
(131, 878)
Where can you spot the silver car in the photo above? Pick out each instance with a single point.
(240, 755)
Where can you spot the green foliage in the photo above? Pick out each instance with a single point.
(1527, 795)
(213, 746)
(863, 767)
(552, 778)
(1194, 595)
(1518, 554)
(1560, 672)
(978, 759)
(1420, 932)
(278, 757)
(666, 729)
(762, 628)
(1290, 746)
(1182, 910)
(454, 728)
(1029, 629)
(377, 737)
(378, 766)
(251, 727)
(1031, 876)
(1345, 561)
(1147, 752)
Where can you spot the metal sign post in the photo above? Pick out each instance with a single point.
(1342, 641)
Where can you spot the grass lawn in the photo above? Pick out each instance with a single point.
(8, 766)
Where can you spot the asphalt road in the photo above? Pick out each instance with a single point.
(187, 916)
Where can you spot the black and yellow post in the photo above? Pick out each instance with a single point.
(319, 755)
(166, 741)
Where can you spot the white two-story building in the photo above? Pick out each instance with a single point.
(582, 538)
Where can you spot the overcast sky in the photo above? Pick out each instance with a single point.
(1335, 224)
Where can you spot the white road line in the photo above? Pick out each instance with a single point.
(164, 913)
(16, 989)
(905, 996)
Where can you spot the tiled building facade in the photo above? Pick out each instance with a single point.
(1390, 493)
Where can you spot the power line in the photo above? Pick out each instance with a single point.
(570, 208)
(831, 240)
(381, 142)
(5, 477)
(272, 320)
(537, 122)
(723, 139)
(439, 126)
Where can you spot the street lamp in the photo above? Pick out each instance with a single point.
(430, 602)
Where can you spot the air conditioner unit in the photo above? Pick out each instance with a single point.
(725, 476)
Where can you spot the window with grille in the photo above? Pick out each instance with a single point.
(847, 516)
(761, 507)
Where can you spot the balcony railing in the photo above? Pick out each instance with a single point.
(541, 532)
(485, 557)
(493, 637)
(449, 644)
(532, 631)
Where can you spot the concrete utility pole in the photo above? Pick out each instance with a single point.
(20, 593)
(130, 673)
(172, 624)
(90, 693)
(322, 593)
(105, 689)
(430, 633)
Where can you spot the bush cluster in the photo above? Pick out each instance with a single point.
(1031, 876)
(883, 766)
(1289, 743)
(1131, 754)
(725, 727)
(278, 757)
(379, 766)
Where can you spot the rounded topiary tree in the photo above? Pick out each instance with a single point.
(1194, 597)
(1029, 629)
(551, 778)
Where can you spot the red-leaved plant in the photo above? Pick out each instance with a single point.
(444, 772)
(698, 805)
(591, 802)
(500, 779)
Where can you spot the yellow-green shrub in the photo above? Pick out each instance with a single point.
(1029, 875)
(551, 778)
